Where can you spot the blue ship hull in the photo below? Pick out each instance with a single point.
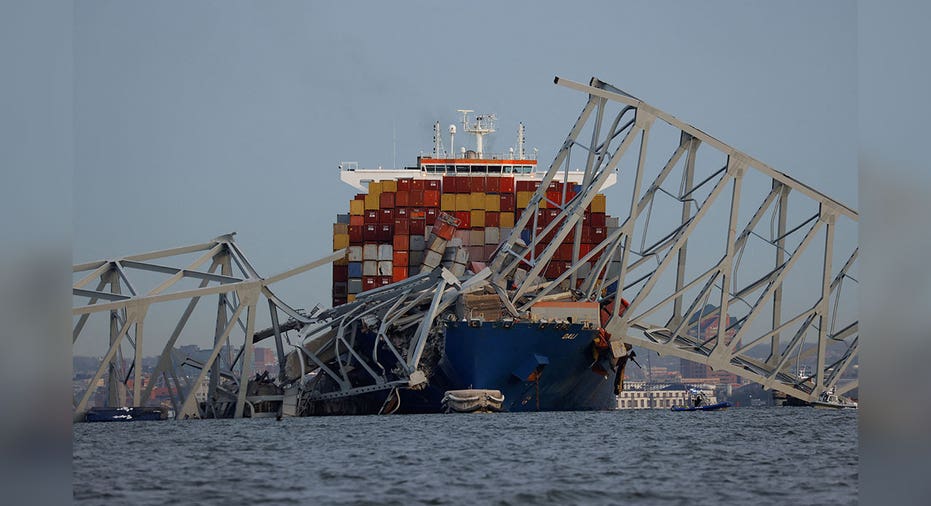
(537, 367)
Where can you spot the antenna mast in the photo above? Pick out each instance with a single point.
(483, 125)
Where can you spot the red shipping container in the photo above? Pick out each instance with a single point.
(431, 198)
(465, 219)
(402, 198)
(385, 232)
(554, 196)
(417, 185)
(400, 258)
(555, 185)
(418, 226)
(551, 214)
(543, 218)
(431, 184)
(449, 184)
(430, 214)
(444, 230)
(417, 213)
(563, 252)
(369, 233)
(340, 273)
(385, 280)
(386, 200)
(359, 196)
(356, 234)
(402, 226)
(598, 234)
(369, 282)
(587, 235)
(417, 196)
(462, 184)
(492, 219)
(402, 213)
(356, 220)
(386, 215)
(404, 184)
(524, 186)
(401, 242)
(370, 216)
(598, 219)
(399, 273)
(506, 185)
(476, 183)
(508, 202)
(339, 301)
(584, 249)
(492, 184)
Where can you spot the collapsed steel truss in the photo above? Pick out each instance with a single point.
(646, 310)
(656, 318)
(230, 277)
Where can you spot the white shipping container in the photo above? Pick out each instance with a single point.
(476, 237)
(432, 259)
(385, 252)
(462, 256)
(384, 267)
(370, 252)
(355, 253)
(437, 244)
(492, 235)
(370, 268)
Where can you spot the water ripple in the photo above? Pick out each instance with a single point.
(740, 456)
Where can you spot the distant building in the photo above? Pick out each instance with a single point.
(642, 395)
(265, 360)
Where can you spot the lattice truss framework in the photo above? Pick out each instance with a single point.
(706, 230)
(237, 288)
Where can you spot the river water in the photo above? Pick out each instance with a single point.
(766, 455)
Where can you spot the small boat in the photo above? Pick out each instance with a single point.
(473, 401)
(831, 400)
(700, 403)
(708, 407)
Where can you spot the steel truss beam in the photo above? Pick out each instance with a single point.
(737, 345)
(237, 292)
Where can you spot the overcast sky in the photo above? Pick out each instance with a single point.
(197, 119)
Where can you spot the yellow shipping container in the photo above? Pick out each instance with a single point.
(492, 202)
(478, 219)
(448, 202)
(375, 187)
(477, 201)
(523, 198)
(599, 204)
(340, 241)
(351, 297)
(462, 202)
(357, 207)
(507, 220)
(389, 185)
(371, 202)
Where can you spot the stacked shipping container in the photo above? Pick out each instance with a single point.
(387, 229)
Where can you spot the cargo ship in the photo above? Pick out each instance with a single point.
(468, 204)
